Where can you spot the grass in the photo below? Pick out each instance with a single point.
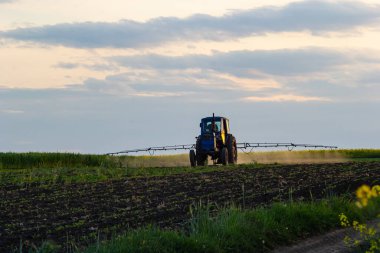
(235, 230)
(50, 168)
(53, 160)
(361, 153)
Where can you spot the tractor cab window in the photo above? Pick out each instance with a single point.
(207, 126)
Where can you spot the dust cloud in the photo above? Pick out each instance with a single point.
(284, 157)
(292, 157)
(179, 160)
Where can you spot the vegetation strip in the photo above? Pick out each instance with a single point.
(67, 168)
(237, 230)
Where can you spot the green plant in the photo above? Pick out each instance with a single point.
(367, 199)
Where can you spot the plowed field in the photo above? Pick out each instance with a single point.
(79, 213)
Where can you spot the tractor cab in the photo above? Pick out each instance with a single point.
(216, 127)
(211, 125)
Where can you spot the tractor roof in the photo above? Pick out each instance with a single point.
(216, 117)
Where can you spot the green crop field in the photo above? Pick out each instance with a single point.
(43, 160)
(72, 201)
(50, 168)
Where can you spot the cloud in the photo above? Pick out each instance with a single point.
(298, 75)
(187, 84)
(306, 74)
(245, 63)
(11, 111)
(371, 77)
(67, 65)
(94, 66)
(285, 98)
(312, 16)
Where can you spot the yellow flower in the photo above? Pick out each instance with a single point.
(343, 220)
(363, 192)
(347, 240)
(375, 192)
(358, 204)
(371, 232)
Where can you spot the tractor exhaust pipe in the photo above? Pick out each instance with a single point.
(213, 122)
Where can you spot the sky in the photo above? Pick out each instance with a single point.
(102, 76)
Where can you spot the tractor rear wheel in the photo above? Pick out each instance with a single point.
(193, 160)
(232, 150)
(224, 156)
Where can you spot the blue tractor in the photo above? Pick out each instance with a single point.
(215, 141)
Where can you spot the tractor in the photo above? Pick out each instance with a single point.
(215, 141)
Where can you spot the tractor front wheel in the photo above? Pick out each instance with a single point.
(193, 160)
(202, 159)
(224, 156)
